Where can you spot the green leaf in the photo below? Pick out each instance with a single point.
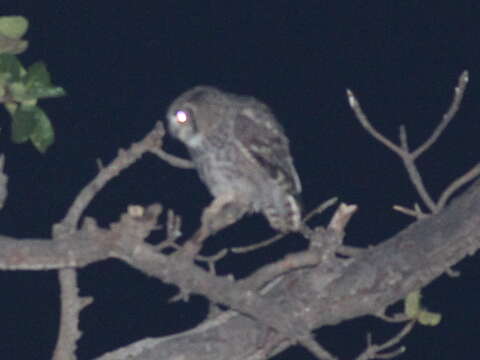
(38, 83)
(43, 135)
(10, 66)
(428, 318)
(414, 310)
(24, 122)
(13, 26)
(11, 107)
(44, 92)
(17, 90)
(31, 123)
(37, 75)
(412, 304)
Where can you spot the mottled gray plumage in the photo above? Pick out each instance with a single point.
(240, 151)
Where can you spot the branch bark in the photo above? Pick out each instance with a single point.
(304, 298)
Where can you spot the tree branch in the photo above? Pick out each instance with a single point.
(322, 294)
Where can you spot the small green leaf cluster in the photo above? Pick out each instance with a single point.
(20, 90)
(415, 310)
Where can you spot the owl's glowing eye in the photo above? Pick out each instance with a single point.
(181, 116)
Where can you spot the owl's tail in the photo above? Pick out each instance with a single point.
(285, 216)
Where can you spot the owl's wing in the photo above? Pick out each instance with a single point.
(262, 140)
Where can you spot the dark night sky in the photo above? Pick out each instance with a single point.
(123, 62)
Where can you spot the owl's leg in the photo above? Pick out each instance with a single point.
(222, 212)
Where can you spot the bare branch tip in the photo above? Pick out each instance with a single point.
(462, 82)
(351, 98)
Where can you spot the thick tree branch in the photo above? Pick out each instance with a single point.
(325, 294)
(381, 276)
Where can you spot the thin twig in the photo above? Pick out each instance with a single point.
(212, 259)
(316, 349)
(455, 185)
(124, 159)
(408, 157)
(372, 351)
(274, 270)
(318, 210)
(396, 318)
(173, 230)
(447, 117)
(416, 212)
(172, 159)
(245, 249)
(355, 105)
(413, 173)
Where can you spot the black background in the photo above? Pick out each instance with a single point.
(123, 62)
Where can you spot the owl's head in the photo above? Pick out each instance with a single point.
(193, 113)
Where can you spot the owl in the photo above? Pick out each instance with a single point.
(241, 154)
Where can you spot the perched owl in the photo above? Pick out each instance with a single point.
(240, 152)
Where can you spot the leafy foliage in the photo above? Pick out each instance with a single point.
(20, 90)
(415, 310)
(12, 28)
